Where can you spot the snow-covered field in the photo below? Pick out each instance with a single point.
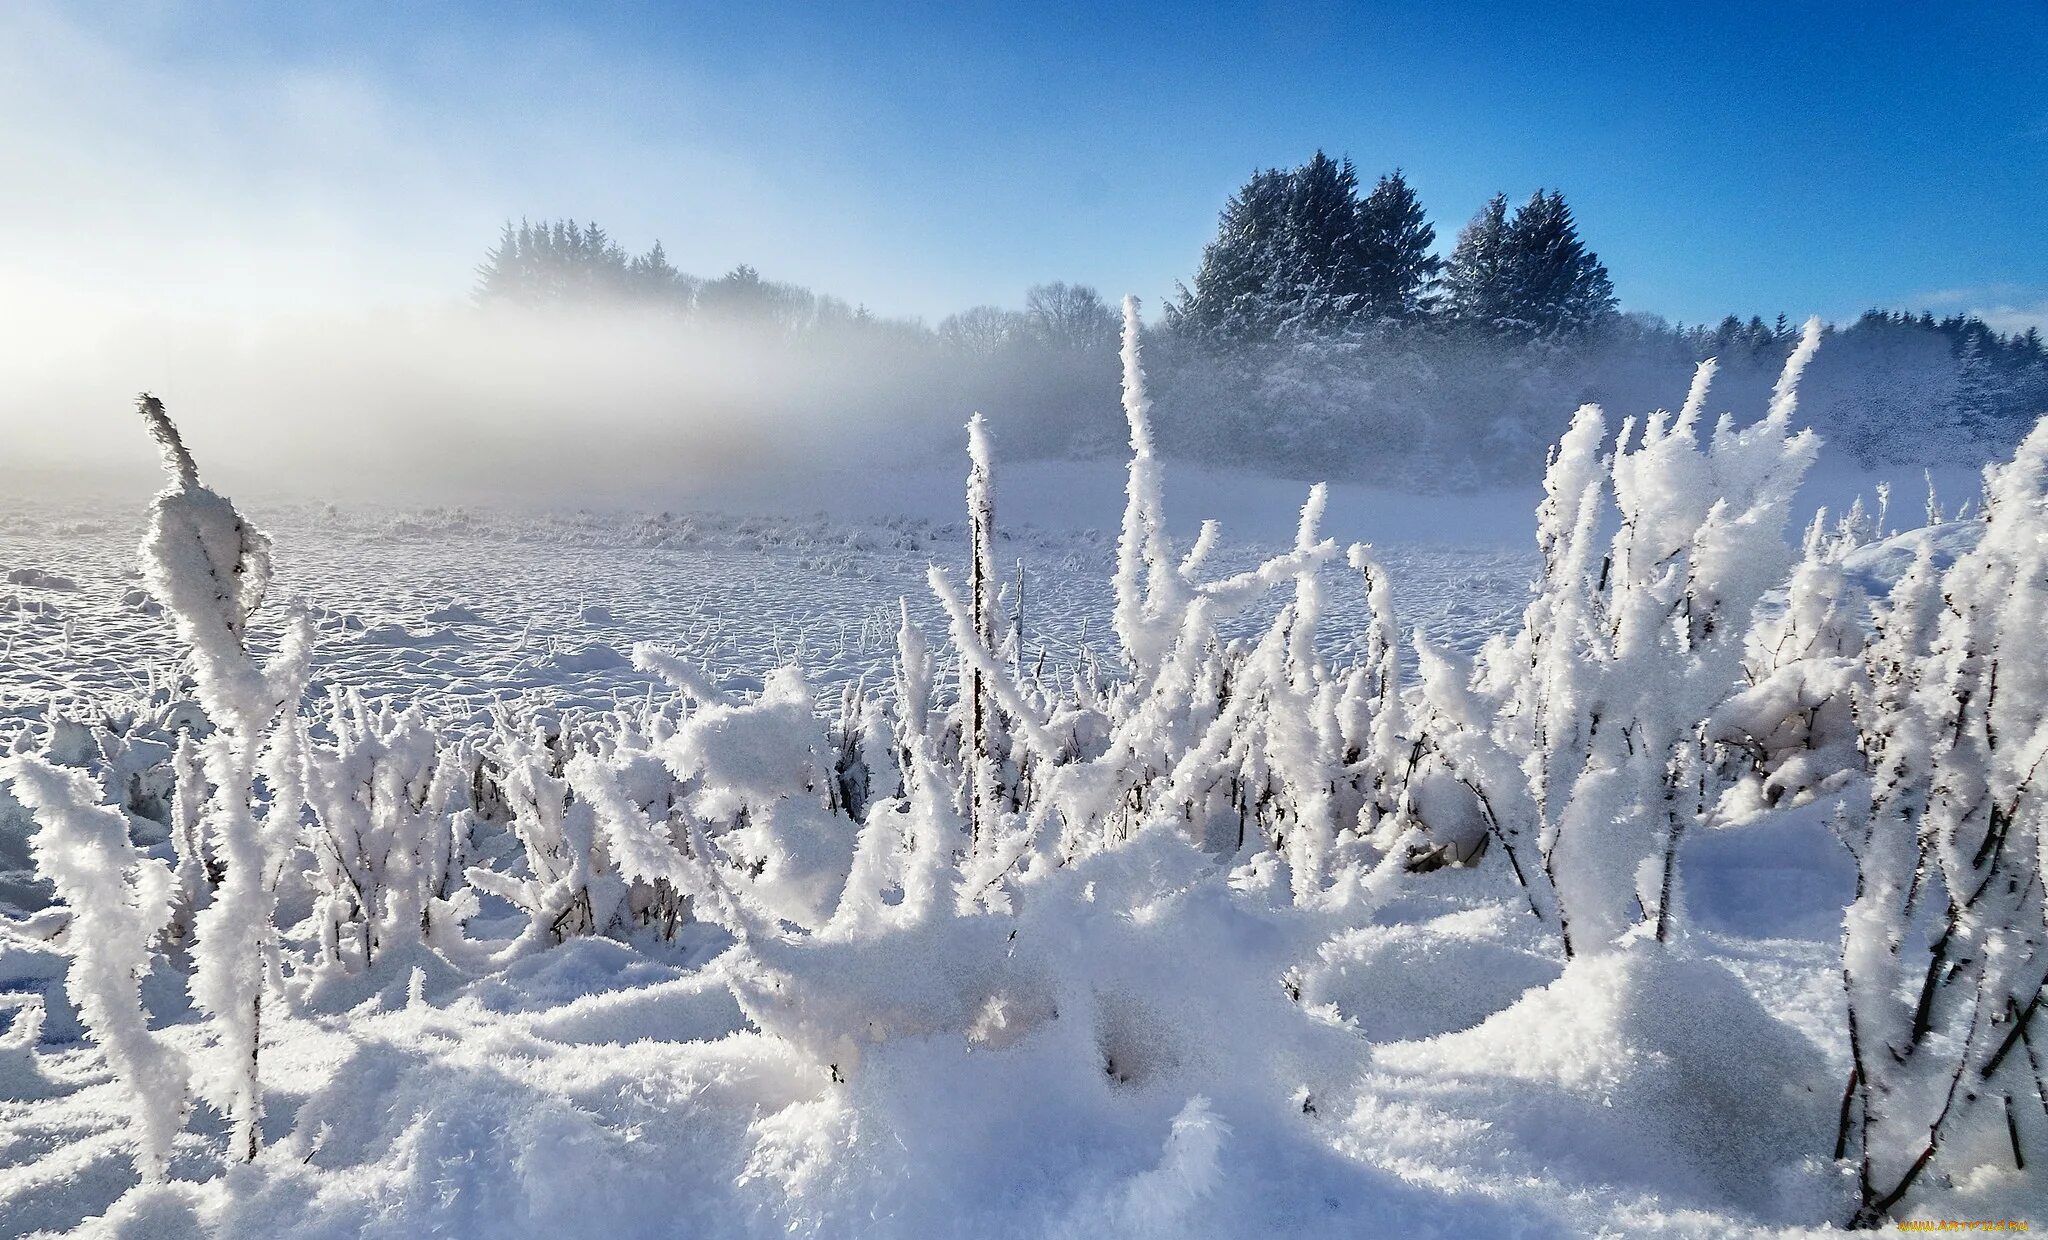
(751, 874)
(464, 609)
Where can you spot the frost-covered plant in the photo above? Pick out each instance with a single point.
(119, 903)
(759, 777)
(198, 873)
(861, 739)
(1794, 726)
(1254, 750)
(1588, 722)
(1370, 713)
(391, 821)
(778, 788)
(910, 711)
(210, 570)
(984, 749)
(1945, 949)
(570, 887)
(660, 851)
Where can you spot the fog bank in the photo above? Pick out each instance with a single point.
(456, 404)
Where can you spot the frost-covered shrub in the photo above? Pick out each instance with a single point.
(390, 831)
(1945, 950)
(762, 779)
(570, 886)
(1795, 724)
(774, 784)
(1582, 735)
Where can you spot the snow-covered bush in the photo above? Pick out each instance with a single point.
(1794, 725)
(570, 886)
(390, 824)
(1945, 951)
(1583, 735)
(760, 777)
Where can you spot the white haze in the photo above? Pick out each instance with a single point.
(284, 258)
(460, 404)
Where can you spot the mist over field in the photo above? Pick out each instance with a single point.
(622, 403)
(440, 404)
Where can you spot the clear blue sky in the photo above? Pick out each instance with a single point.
(921, 158)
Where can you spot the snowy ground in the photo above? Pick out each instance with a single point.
(466, 608)
(1454, 1085)
(603, 1091)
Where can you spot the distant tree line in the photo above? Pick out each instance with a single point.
(1321, 333)
(1047, 372)
(564, 264)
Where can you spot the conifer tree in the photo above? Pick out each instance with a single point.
(1476, 279)
(1399, 273)
(1557, 286)
(653, 279)
(502, 276)
(1231, 297)
(1320, 283)
(1977, 399)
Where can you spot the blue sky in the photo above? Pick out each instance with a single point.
(1814, 158)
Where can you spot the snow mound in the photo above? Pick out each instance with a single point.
(38, 579)
(1402, 982)
(1779, 875)
(399, 635)
(453, 613)
(699, 1008)
(1644, 1066)
(1876, 566)
(590, 657)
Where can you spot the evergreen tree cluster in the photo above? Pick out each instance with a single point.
(1527, 277)
(1302, 254)
(561, 262)
(564, 264)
